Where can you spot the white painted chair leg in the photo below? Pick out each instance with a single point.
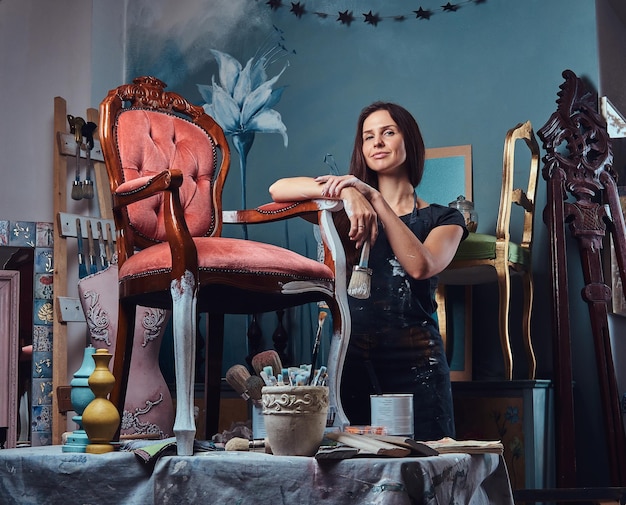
(341, 331)
(336, 357)
(184, 329)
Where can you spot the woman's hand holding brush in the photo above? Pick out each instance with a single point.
(360, 282)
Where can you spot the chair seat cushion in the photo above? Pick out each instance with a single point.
(480, 246)
(222, 254)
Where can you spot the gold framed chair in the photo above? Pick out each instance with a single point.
(167, 162)
(483, 258)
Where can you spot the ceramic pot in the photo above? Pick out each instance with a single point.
(295, 418)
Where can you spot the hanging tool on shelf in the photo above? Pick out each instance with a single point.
(87, 132)
(76, 127)
(110, 246)
(82, 268)
(93, 264)
(104, 260)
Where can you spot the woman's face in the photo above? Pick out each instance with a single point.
(383, 143)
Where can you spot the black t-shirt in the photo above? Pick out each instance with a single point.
(396, 300)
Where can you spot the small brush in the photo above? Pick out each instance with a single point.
(267, 358)
(318, 375)
(236, 376)
(87, 132)
(359, 286)
(76, 125)
(254, 384)
(316, 344)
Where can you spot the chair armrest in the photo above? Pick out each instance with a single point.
(145, 187)
(274, 211)
(312, 211)
(182, 247)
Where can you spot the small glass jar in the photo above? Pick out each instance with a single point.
(466, 208)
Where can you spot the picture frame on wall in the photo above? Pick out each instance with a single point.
(448, 175)
(616, 128)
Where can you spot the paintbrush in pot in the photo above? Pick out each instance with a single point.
(316, 344)
(236, 376)
(254, 384)
(267, 358)
(359, 286)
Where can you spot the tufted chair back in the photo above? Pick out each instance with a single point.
(167, 141)
(151, 136)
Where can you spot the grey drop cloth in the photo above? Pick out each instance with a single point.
(46, 475)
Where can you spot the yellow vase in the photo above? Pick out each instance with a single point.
(101, 418)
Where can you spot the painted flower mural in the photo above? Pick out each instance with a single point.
(242, 102)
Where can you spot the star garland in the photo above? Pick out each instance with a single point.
(346, 17)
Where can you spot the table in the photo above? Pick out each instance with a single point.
(46, 475)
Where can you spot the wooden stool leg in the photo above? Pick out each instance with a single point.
(504, 292)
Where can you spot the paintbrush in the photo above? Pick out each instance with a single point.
(76, 125)
(359, 286)
(243, 444)
(267, 358)
(87, 132)
(82, 268)
(110, 246)
(316, 344)
(254, 384)
(93, 266)
(236, 376)
(104, 262)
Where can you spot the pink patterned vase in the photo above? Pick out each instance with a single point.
(148, 409)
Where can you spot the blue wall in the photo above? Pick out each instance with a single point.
(468, 76)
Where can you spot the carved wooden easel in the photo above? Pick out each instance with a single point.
(585, 172)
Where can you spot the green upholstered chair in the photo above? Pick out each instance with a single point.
(483, 258)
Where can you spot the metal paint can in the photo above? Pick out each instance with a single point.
(258, 421)
(394, 412)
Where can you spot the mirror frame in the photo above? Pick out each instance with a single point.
(9, 355)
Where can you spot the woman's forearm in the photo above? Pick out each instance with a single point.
(420, 260)
(292, 189)
(359, 211)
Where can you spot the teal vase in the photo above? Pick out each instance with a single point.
(80, 396)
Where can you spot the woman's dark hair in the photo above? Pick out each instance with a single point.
(413, 143)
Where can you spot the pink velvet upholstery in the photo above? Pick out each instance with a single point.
(227, 254)
(150, 142)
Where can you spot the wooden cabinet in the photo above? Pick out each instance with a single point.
(518, 413)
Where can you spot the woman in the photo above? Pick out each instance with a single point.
(395, 345)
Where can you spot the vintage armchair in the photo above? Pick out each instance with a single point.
(483, 258)
(167, 162)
